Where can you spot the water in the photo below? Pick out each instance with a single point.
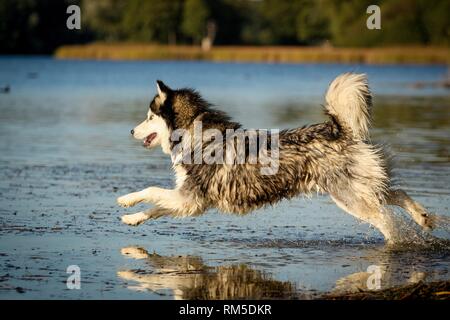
(66, 154)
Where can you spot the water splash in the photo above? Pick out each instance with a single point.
(406, 234)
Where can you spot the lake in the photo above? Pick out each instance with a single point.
(66, 154)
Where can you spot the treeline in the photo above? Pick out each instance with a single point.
(39, 26)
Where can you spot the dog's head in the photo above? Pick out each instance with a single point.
(169, 110)
(155, 129)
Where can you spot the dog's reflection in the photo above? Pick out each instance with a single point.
(189, 278)
(395, 269)
(367, 281)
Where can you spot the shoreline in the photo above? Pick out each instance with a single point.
(266, 54)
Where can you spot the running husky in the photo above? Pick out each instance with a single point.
(334, 157)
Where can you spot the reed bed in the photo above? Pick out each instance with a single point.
(269, 54)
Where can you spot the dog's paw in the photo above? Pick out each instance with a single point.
(134, 219)
(427, 221)
(126, 274)
(134, 252)
(127, 200)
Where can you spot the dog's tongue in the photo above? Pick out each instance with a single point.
(149, 138)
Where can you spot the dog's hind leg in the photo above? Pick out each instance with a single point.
(420, 215)
(364, 211)
(140, 217)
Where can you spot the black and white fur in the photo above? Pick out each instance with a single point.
(334, 157)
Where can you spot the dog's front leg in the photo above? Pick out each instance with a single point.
(132, 199)
(173, 200)
(140, 217)
(129, 200)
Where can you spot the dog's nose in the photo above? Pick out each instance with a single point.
(132, 131)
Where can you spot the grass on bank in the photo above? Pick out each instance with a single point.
(280, 54)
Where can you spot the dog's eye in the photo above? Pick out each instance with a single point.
(150, 118)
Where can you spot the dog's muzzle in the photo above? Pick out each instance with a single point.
(149, 139)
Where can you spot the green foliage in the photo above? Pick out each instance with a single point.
(195, 16)
(281, 18)
(402, 21)
(436, 21)
(39, 26)
(347, 21)
(104, 17)
(35, 26)
(152, 20)
(229, 17)
(312, 23)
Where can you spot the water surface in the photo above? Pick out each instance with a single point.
(66, 154)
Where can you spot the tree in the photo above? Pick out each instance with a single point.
(152, 20)
(104, 17)
(312, 24)
(39, 26)
(35, 26)
(347, 21)
(195, 17)
(436, 21)
(281, 18)
(402, 22)
(228, 16)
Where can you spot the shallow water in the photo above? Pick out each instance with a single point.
(66, 154)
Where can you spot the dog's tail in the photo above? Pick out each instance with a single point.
(349, 102)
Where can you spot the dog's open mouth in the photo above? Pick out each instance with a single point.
(148, 141)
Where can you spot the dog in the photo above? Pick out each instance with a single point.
(334, 157)
(190, 278)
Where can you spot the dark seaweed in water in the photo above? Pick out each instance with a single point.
(433, 291)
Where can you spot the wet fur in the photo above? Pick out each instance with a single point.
(334, 157)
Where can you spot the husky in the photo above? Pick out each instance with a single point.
(335, 157)
(190, 278)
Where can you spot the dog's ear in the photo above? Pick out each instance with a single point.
(163, 90)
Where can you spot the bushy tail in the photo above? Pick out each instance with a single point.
(349, 101)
